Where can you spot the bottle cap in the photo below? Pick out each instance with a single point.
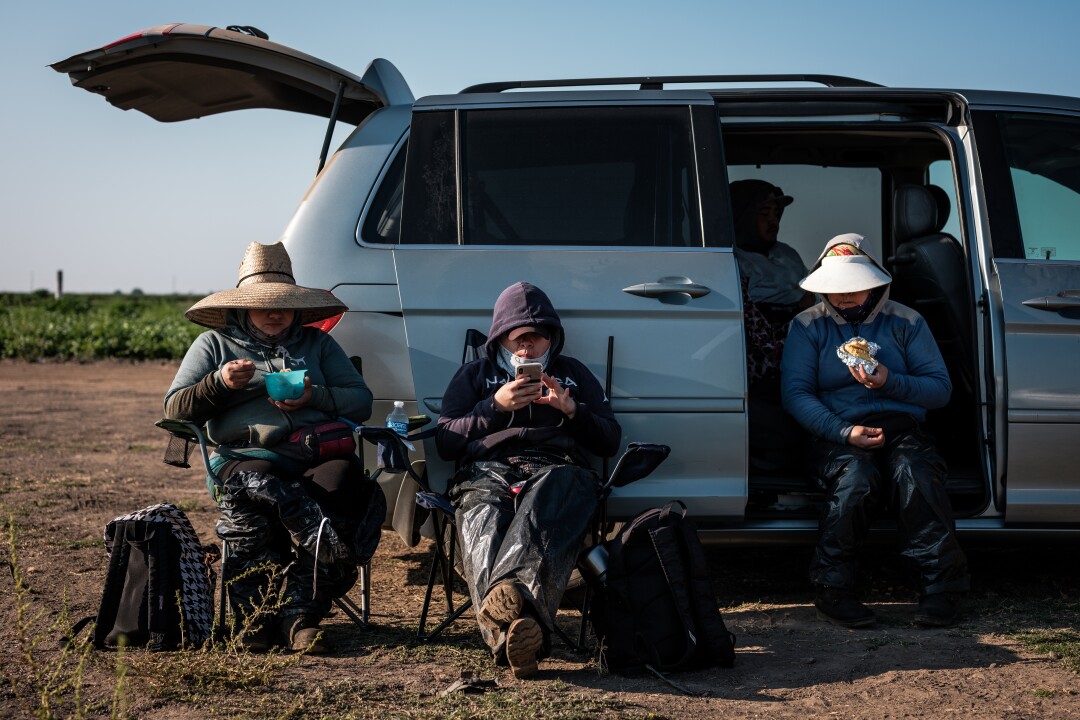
(399, 403)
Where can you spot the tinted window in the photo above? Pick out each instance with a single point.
(1043, 155)
(430, 202)
(941, 175)
(383, 222)
(561, 176)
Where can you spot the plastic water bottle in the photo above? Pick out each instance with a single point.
(397, 420)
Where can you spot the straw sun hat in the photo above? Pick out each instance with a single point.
(266, 283)
(845, 268)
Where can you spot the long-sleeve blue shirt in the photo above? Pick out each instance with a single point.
(819, 390)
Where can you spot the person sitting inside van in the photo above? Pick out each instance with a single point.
(859, 372)
(525, 494)
(772, 269)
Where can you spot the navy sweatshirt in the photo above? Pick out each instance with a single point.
(471, 428)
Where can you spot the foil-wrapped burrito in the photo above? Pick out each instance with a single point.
(859, 351)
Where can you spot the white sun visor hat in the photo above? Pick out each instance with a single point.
(845, 269)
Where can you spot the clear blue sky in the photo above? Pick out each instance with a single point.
(119, 201)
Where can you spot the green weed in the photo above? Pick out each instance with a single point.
(1062, 644)
(47, 683)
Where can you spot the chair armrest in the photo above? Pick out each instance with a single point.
(639, 460)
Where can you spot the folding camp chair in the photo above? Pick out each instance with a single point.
(638, 461)
(185, 435)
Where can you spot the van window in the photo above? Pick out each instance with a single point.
(941, 174)
(828, 201)
(1043, 155)
(383, 222)
(601, 176)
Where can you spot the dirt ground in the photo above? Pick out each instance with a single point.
(78, 447)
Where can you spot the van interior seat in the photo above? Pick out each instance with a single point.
(930, 275)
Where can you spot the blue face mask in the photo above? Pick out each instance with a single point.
(858, 313)
(509, 361)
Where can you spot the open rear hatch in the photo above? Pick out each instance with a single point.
(179, 72)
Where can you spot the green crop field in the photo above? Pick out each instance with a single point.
(35, 326)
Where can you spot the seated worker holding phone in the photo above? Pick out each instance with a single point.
(519, 422)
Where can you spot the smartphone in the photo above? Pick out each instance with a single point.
(530, 370)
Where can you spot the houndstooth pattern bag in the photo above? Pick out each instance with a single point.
(198, 590)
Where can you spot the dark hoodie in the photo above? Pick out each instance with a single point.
(471, 428)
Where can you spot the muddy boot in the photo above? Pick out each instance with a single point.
(524, 640)
(937, 610)
(840, 607)
(302, 633)
(501, 607)
(257, 639)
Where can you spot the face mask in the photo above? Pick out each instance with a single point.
(859, 312)
(508, 361)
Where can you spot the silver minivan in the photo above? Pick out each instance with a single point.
(612, 195)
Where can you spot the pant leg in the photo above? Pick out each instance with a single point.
(255, 539)
(924, 514)
(354, 508)
(546, 535)
(852, 482)
(484, 507)
(272, 502)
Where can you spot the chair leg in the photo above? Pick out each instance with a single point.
(584, 629)
(220, 625)
(355, 613)
(361, 613)
(448, 571)
(365, 591)
(442, 561)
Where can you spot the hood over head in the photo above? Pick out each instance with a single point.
(524, 305)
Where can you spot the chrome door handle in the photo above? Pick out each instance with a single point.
(668, 286)
(1066, 300)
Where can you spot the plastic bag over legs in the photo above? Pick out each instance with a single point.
(532, 538)
(907, 476)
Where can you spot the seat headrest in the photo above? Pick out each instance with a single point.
(944, 205)
(914, 213)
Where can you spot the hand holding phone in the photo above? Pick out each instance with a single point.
(522, 390)
(531, 371)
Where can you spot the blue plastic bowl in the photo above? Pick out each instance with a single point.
(287, 385)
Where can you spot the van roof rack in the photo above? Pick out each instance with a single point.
(658, 82)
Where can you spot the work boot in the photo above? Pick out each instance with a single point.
(840, 607)
(523, 642)
(302, 633)
(501, 607)
(937, 610)
(257, 639)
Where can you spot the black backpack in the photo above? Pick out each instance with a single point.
(158, 588)
(657, 609)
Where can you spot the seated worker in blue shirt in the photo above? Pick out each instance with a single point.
(859, 373)
(524, 494)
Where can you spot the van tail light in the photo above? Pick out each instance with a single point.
(139, 35)
(328, 324)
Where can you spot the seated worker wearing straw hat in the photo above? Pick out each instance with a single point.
(319, 520)
(524, 495)
(859, 372)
